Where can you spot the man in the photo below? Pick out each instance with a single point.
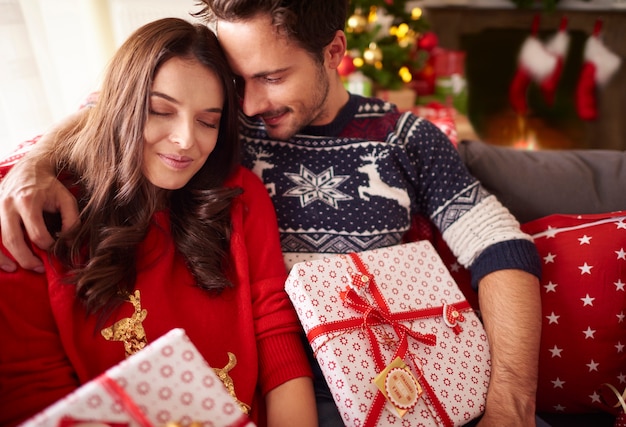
(345, 174)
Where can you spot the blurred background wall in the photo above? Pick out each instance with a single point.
(53, 53)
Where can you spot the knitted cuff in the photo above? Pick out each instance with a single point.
(281, 358)
(511, 254)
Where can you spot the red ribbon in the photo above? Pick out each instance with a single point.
(129, 405)
(379, 313)
(127, 402)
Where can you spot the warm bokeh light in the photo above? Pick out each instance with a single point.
(400, 31)
(373, 16)
(527, 143)
(405, 74)
(372, 54)
(416, 13)
(356, 23)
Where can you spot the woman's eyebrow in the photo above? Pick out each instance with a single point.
(175, 101)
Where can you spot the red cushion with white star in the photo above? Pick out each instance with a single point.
(583, 295)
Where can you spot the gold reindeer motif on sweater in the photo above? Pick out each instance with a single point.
(222, 374)
(129, 330)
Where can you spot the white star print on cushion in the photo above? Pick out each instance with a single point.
(583, 294)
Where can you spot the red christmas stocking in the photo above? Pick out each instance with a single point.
(600, 64)
(535, 63)
(557, 46)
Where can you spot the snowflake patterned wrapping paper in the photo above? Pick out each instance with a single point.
(167, 381)
(363, 311)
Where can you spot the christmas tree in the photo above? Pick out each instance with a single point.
(386, 41)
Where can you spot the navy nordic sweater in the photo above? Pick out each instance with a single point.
(355, 184)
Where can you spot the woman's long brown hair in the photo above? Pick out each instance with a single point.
(104, 151)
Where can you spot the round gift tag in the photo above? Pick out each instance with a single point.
(402, 388)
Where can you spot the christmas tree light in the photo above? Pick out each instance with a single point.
(383, 41)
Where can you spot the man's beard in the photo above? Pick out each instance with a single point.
(310, 112)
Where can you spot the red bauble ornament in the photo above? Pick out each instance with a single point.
(428, 41)
(346, 67)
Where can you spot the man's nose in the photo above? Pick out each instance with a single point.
(254, 100)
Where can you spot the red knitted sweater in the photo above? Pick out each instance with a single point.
(50, 347)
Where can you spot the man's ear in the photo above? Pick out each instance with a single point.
(335, 50)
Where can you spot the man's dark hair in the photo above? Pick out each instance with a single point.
(312, 24)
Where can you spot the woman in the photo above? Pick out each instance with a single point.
(173, 233)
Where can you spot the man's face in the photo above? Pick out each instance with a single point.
(283, 84)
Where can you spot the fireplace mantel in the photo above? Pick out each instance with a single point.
(453, 23)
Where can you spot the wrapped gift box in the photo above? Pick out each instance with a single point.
(167, 381)
(396, 312)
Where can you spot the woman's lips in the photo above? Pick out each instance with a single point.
(175, 162)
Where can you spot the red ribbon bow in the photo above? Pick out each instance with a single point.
(378, 313)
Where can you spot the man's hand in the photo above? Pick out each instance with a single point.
(28, 190)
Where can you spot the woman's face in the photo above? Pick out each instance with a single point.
(182, 127)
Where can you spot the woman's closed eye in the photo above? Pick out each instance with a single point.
(208, 124)
(159, 113)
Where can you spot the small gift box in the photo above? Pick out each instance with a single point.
(167, 382)
(395, 338)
